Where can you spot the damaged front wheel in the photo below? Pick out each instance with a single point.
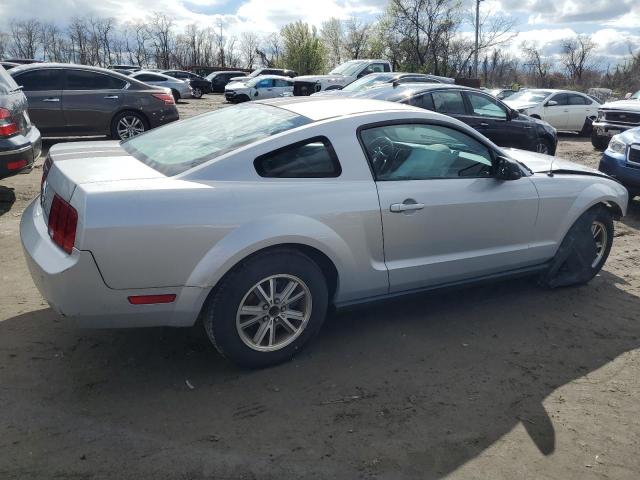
(583, 251)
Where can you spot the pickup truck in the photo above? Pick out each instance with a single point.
(614, 118)
(340, 76)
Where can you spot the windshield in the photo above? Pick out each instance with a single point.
(533, 96)
(179, 146)
(348, 68)
(367, 82)
(636, 95)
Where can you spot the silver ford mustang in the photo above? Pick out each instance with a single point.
(266, 213)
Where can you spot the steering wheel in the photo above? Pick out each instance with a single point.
(382, 152)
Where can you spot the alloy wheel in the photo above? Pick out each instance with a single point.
(542, 147)
(274, 312)
(129, 126)
(197, 93)
(600, 237)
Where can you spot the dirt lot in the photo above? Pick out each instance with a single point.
(495, 382)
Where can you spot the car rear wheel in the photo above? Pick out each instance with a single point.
(583, 251)
(197, 92)
(599, 142)
(267, 308)
(128, 124)
(176, 95)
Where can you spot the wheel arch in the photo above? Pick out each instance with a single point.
(124, 110)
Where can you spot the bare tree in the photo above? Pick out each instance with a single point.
(271, 54)
(162, 38)
(539, 67)
(26, 37)
(576, 56)
(332, 35)
(356, 37)
(249, 48)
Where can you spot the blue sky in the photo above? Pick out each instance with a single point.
(613, 24)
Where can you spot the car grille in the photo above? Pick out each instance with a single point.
(229, 94)
(302, 89)
(623, 117)
(634, 155)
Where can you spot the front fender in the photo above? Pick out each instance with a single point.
(257, 235)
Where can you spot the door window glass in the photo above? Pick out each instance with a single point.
(576, 100)
(422, 101)
(282, 83)
(483, 106)
(266, 83)
(448, 102)
(420, 152)
(83, 80)
(40, 80)
(561, 99)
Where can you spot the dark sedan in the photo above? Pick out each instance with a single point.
(75, 100)
(219, 80)
(491, 117)
(20, 143)
(374, 79)
(199, 84)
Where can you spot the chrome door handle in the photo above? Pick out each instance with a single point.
(51, 100)
(112, 97)
(405, 207)
(484, 124)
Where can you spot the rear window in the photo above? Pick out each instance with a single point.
(313, 158)
(179, 146)
(7, 84)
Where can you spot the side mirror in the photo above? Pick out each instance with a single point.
(507, 170)
(551, 103)
(513, 114)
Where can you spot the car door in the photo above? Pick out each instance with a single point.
(580, 107)
(90, 100)
(493, 119)
(264, 88)
(43, 88)
(556, 111)
(445, 217)
(283, 87)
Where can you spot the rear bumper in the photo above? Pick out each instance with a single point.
(619, 169)
(19, 152)
(163, 116)
(73, 285)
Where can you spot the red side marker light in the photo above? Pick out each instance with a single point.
(151, 299)
(17, 165)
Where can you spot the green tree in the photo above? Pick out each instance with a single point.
(302, 48)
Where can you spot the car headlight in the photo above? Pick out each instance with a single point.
(600, 115)
(617, 146)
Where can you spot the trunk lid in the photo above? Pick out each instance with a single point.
(75, 163)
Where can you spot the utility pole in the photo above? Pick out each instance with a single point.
(475, 55)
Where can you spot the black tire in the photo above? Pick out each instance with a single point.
(197, 92)
(176, 95)
(115, 134)
(587, 128)
(598, 142)
(544, 146)
(220, 310)
(573, 262)
(242, 98)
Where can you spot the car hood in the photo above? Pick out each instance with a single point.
(518, 105)
(630, 136)
(540, 163)
(622, 105)
(332, 93)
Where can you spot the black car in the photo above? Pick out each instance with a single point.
(20, 142)
(219, 80)
(199, 84)
(488, 115)
(78, 100)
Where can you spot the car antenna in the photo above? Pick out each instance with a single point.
(550, 172)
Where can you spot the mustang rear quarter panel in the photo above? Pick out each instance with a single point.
(192, 229)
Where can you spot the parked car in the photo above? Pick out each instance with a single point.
(20, 143)
(502, 93)
(621, 160)
(219, 80)
(8, 65)
(283, 72)
(614, 118)
(374, 79)
(340, 76)
(264, 86)
(262, 215)
(78, 100)
(488, 115)
(199, 85)
(123, 72)
(22, 61)
(179, 89)
(564, 109)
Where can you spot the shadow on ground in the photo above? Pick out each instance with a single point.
(7, 199)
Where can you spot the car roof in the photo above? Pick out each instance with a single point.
(76, 66)
(386, 91)
(277, 77)
(135, 74)
(322, 108)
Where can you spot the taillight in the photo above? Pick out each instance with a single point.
(16, 165)
(63, 220)
(45, 171)
(8, 126)
(165, 97)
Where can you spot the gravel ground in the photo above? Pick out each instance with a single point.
(494, 382)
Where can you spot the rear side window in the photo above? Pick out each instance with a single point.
(578, 100)
(313, 158)
(282, 83)
(448, 102)
(83, 80)
(422, 101)
(40, 80)
(146, 77)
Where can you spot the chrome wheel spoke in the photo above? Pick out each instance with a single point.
(600, 238)
(287, 324)
(294, 314)
(297, 296)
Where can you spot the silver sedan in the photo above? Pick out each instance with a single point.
(267, 213)
(179, 88)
